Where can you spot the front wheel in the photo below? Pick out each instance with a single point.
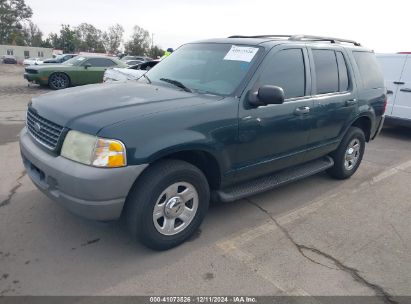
(58, 81)
(167, 204)
(348, 156)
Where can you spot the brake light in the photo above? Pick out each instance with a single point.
(385, 104)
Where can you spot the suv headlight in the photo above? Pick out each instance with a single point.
(93, 150)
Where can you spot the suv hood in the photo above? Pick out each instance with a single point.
(90, 108)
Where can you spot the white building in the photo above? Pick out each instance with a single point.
(23, 52)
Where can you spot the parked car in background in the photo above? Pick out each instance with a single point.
(141, 58)
(397, 73)
(32, 61)
(60, 58)
(133, 62)
(9, 59)
(131, 73)
(78, 70)
(220, 118)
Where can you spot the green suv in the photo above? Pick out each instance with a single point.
(218, 120)
(76, 71)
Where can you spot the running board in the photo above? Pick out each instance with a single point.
(272, 181)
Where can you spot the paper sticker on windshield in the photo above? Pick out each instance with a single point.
(241, 53)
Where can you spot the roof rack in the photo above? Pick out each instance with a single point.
(302, 38)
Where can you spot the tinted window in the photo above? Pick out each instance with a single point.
(326, 71)
(369, 70)
(286, 70)
(342, 72)
(100, 62)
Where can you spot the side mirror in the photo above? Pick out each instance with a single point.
(87, 65)
(267, 94)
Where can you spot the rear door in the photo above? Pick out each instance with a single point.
(392, 67)
(334, 97)
(402, 104)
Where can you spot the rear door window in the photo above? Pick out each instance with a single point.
(326, 71)
(342, 73)
(101, 62)
(370, 71)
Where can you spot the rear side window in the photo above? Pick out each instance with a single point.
(342, 72)
(101, 62)
(286, 70)
(326, 71)
(370, 71)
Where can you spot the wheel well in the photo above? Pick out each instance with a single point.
(364, 123)
(202, 160)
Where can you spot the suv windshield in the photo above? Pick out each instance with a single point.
(206, 67)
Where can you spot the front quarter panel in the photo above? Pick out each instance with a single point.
(211, 126)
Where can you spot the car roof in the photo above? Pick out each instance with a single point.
(269, 41)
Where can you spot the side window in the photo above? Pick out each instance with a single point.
(326, 71)
(26, 54)
(286, 70)
(101, 62)
(10, 52)
(370, 71)
(342, 72)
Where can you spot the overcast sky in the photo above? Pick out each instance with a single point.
(380, 25)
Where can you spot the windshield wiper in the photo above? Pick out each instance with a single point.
(146, 77)
(176, 83)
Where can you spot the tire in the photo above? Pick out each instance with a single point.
(164, 186)
(347, 162)
(59, 81)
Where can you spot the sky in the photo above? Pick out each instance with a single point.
(380, 25)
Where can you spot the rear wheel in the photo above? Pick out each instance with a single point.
(348, 156)
(167, 204)
(58, 81)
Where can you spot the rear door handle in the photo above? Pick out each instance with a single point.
(350, 102)
(399, 82)
(302, 110)
(408, 90)
(390, 92)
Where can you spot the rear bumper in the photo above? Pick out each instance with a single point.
(92, 193)
(380, 125)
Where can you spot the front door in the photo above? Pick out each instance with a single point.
(273, 137)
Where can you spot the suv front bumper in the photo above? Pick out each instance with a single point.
(93, 193)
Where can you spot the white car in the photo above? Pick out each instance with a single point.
(32, 61)
(131, 73)
(397, 74)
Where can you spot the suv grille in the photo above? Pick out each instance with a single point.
(43, 130)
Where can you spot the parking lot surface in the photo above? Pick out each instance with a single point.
(317, 236)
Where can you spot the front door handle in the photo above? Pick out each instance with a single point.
(399, 82)
(302, 110)
(408, 90)
(350, 102)
(390, 92)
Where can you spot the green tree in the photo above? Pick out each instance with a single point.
(155, 51)
(12, 14)
(139, 43)
(90, 38)
(32, 35)
(66, 41)
(112, 38)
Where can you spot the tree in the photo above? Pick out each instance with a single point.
(155, 51)
(112, 38)
(139, 43)
(32, 35)
(67, 40)
(12, 14)
(90, 38)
